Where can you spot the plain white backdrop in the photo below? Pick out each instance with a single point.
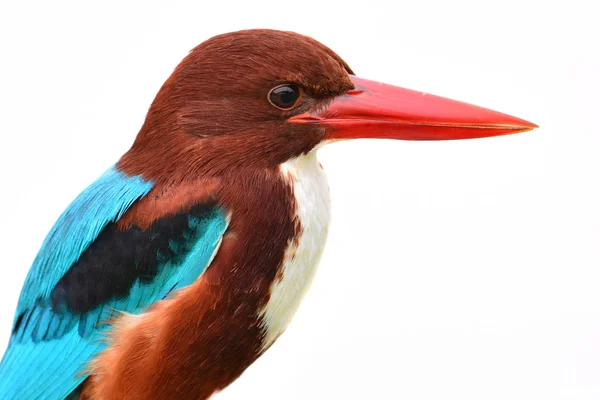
(454, 270)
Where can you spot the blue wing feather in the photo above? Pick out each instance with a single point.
(50, 346)
(102, 202)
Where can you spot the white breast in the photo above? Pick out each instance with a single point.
(301, 259)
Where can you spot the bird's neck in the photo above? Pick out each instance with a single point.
(312, 210)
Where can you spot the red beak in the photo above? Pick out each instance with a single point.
(377, 110)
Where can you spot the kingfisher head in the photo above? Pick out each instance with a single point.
(257, 98)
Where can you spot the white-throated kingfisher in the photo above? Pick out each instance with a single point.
(177, 268)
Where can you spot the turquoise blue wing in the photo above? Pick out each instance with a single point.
(86, 270)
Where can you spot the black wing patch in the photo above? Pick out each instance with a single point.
(113, 263)
(116, 260)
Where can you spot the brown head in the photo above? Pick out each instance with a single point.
(257, 98)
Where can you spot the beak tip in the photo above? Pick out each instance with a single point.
(529, 126)
(520, 125)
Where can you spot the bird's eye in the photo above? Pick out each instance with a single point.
(285, 97)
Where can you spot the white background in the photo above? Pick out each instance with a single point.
(454, 270)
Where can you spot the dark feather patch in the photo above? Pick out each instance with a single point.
(112, 264)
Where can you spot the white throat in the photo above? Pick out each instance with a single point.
(311, 192)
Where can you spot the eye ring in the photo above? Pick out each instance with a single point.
(285, 97)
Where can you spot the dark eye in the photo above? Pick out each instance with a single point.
(285, 97)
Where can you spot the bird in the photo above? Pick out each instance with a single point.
(183, 263)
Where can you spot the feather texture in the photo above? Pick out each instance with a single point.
(87, 271)
(102, 202)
